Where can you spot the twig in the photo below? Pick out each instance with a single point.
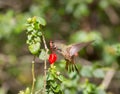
(113, 16)
(33, 76)
(45, 62)
(108, 77)
(39, 92)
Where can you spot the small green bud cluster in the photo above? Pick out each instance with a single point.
(54, 78)
(34, 27)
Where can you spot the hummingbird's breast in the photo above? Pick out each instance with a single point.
(67, 55)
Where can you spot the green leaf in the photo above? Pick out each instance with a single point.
(82, 36)
(39, 83)
(103, 4)
(116, 47)
(39, 33)
(29, 20)
(81, 10)
(99, 73)
(108, 59)
(57, 89)
(36, 26)
(27, 91)
(89, 1)
(86, 71)
(34, 48)
(91, 88)
(51, 92)
(54, 84)
(100, 91)
(37, 39)
(60, 78)
(79, 36)
(2, 90)
(43, 55)
(30, 28)
(29, 37)
(21, 92)
(41, 21)
(50, 77)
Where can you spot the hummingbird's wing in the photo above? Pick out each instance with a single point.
(60, 46)
(74, 48)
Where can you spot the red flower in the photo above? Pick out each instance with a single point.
(52, 58)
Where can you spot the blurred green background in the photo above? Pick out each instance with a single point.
(69, 20)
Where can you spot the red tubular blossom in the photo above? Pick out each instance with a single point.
(52, 58)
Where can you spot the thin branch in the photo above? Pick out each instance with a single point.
(113, 16)
(39, 92)
(45, 62)
(33, 76)
(108, 78)
(45, 45)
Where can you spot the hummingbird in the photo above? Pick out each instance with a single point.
(69, 52)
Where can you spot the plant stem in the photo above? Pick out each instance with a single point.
(45, 62)
(108, 78)
(33, 76)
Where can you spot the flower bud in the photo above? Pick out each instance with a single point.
(52, 58)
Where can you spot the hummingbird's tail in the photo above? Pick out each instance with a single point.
(71, 67)
(76, 69)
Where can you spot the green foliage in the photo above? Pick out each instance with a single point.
(78, 8)
(86, 71)
(89, 88)
(43, 55)
(34, 27)
(69, 20)
(111, 53)
(39, 84)
(71, 83)
(26, 91)
(90, 71)
(34, 48)
(81, 36)
(11, 24)
(54, 80)
(34, 39)
(98, 73)
(116, 47)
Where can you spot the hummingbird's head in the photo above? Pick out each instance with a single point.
(52, 45)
